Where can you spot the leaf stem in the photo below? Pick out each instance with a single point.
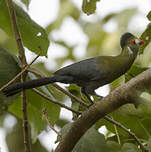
(44, 111)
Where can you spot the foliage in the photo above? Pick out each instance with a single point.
(89, 6)
(38, 37)
(100, 42)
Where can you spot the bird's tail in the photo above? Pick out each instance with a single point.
(18, 87)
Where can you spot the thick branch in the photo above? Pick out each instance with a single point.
(118, 97)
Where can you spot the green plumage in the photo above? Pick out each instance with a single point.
(91, 73)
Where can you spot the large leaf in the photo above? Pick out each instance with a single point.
(15, 140)
(113, 146)
(9, 68)
(129, 147)
(91, 141)
(33, 35)
(35, 106)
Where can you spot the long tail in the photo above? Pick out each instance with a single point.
(18, 87)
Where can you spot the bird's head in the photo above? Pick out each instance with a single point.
(130, 42)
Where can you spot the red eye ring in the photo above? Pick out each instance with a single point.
(133, 41)
(141, 42)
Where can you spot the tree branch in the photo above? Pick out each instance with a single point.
(118, 97)
(55, 102)
(44, 111)
(23, 76)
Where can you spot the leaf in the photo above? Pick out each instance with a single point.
(35, 106)
(146, 122)
(9, 68)
(146, 35)
(33, 35)
(131, 118)
(149, 16)
(129, 147)
(149, 145)
(89, 6)
(92, 141)
(16, 108)
(26, 2)
(113, 146)
(134, 71)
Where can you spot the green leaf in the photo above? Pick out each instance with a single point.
(146, 35)
(89, 6)
(33, 35)
(26, 2)
(9, 68)
(131, 118)
(35, 107)
(129, 147)
(91, 141)
(149, 145)
(149, 16)
(113, 146)
(134, 71)
(16, 108)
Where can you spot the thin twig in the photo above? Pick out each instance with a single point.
(55, 102)
(70, 95)
(36, 72)
(48, 122)
(128, 131)
(19, 74)
(116, 132)
(23, 76)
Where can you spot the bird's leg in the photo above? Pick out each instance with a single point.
(86, 94)
(95, 94)
(100, 97)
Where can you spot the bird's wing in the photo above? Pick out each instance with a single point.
(84, 70)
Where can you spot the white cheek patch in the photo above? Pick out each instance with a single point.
(129, 50)
(137, 41)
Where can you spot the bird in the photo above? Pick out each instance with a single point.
(91, 73)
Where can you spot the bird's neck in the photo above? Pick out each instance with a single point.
(130, 52)
(126, 58)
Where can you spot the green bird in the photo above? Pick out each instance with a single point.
(91, 73)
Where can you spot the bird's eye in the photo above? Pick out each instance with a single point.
(133, 41)
(141, 42)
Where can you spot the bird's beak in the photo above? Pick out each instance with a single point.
(139, 42)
